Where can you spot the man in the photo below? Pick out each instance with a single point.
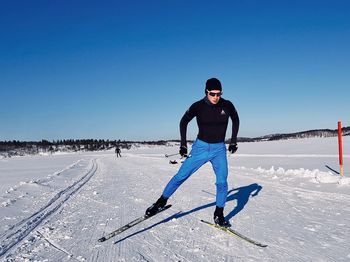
(212, 113)
(117, 151)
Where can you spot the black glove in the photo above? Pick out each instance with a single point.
(232, 148)
(183, 150)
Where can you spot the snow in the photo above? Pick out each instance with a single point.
(56, 207)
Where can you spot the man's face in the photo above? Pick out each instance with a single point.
(214, 96)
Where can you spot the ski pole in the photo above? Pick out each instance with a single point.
(166, 155)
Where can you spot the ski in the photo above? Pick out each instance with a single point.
(129, 225)
(235, 233)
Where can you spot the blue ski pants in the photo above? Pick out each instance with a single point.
(201, 153)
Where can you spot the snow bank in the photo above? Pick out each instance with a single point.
(315, 175)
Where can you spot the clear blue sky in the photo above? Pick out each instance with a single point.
(130, 69)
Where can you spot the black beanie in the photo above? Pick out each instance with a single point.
(213, 84)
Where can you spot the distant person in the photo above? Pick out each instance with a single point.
(118, 151)
(212, 113)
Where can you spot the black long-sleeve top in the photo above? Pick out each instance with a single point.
(212, 121)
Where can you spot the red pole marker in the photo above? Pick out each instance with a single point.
(340, 144)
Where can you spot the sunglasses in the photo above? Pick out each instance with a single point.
(214, 94)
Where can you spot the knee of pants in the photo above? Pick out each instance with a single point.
(221, 178)
(182, 175)
(221, 173)
(179, 179)
(222, 187)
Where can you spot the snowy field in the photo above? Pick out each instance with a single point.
(55, 208)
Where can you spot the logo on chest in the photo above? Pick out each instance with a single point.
(223, 113)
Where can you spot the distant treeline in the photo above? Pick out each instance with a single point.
(12, 148)
(303, 134)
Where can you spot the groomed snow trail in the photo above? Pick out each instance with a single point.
(16, 233)
(298, 215)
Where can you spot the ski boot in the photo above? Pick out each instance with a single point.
(156, 207)
(219, 218)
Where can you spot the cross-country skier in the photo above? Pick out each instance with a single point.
(117, 151)
(212, 113)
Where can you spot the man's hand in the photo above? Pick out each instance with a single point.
(232, 148)
(183, 151)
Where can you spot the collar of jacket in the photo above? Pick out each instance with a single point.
(206, 100)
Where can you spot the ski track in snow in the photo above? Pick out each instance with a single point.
(19, 231)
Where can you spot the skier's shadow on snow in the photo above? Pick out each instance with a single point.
(241, 194)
